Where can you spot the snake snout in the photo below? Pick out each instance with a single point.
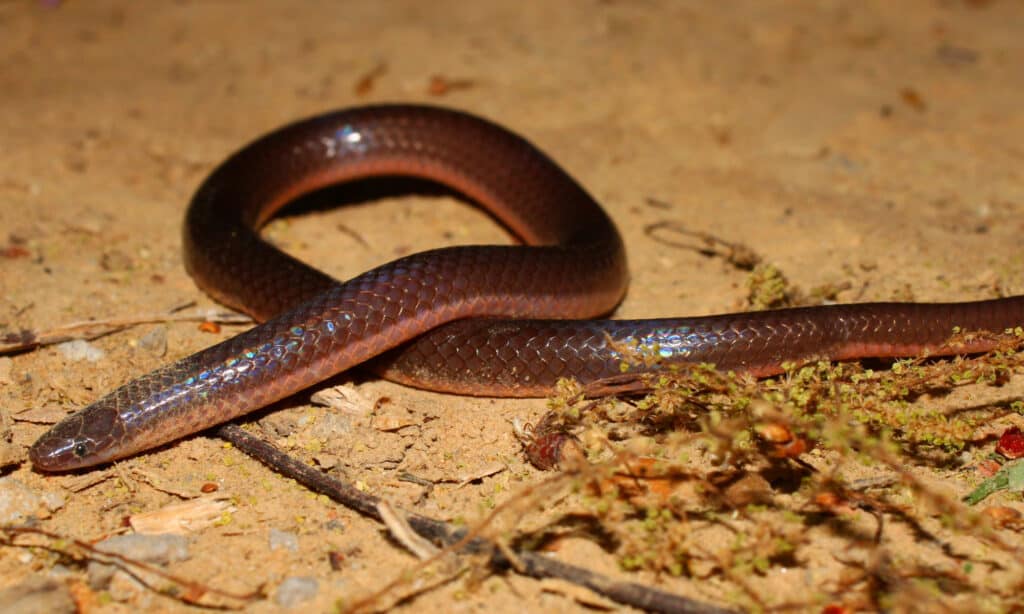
(80, 440)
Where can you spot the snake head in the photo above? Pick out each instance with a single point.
(80, 440)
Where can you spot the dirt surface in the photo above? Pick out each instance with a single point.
(875, 144)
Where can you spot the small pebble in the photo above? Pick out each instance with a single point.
(37, 594)
(295, 590)
(18, 503)
(155, 341)
(157, 549)
(80, 349)
(116, 261)
(326, 461)
(283, 539)
(53, 500)
(279, 423)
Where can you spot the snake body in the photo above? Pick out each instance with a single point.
(480, 320)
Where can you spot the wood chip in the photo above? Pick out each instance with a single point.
(482, 472)
(389, 424)
(186, 517)
(78, 483)
(344, 398)
(403, 533)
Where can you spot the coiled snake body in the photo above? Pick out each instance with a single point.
(441, 306)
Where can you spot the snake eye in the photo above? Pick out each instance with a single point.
(81, 449)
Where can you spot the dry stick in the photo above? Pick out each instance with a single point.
(92, 329)
(192, 593)
(531, 563)
(736, 254)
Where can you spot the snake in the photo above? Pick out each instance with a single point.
(485, 320)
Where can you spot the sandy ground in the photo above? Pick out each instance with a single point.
(875, 143)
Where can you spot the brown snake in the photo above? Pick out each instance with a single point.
(430, 317)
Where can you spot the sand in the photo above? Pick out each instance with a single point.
(876, 145)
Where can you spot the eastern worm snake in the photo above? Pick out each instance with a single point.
(444, 301)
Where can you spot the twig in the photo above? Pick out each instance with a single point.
(736, 254)
(403, 533)
(535, 565)
(92, 329)
(191, 592)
